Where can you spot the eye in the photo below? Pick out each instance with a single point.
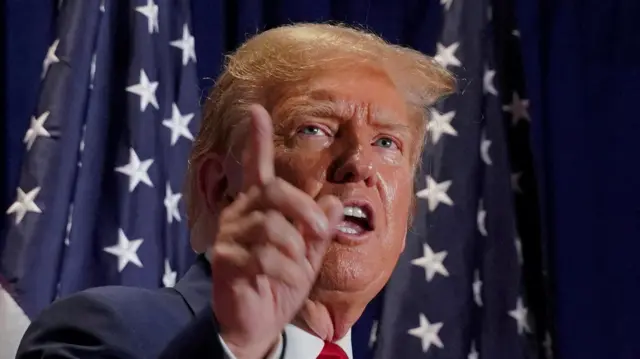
(386, 142)
(312, 130)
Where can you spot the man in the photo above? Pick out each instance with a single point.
(300, 189)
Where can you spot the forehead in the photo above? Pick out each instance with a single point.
(359, 89)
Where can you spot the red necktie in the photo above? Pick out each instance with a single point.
(332, 351)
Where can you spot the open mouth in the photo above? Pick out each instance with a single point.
(358, 219)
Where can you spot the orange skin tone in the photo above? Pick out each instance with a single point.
(350, 135)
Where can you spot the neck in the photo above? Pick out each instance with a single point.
(330, 321)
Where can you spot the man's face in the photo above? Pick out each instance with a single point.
(349, 134)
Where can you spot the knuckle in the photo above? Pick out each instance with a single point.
(225, 215)
(278, 182)
(296, 244)
(273, 217)
(272, 225)
(253, 192)
(256, 218)
(295, 275)
(219, 252)
(293, 244)
(274, 187)
(254, 227)
(263, 258)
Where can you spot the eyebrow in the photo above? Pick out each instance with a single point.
(323, 104)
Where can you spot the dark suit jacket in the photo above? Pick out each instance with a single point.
(129, 323)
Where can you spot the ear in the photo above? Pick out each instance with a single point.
(212, 182)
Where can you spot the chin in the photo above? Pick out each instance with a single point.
(349, 270)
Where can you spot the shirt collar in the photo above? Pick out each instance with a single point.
(303, 345)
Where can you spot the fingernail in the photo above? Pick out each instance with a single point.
(322, 226)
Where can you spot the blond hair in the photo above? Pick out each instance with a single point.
(288, 55)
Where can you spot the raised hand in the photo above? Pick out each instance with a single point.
(268, 250)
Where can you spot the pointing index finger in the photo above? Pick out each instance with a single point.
(258, 168)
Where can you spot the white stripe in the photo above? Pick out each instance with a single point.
(13, 324)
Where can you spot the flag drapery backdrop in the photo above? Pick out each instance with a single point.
(98, 199)
(98, 203)
(104, 125)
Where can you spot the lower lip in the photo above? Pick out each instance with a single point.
(345, 234)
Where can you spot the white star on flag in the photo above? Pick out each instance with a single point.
(92, 71)
(481, 219)
(445, 55)
(485, 145)
(487, 82)
(427, 333)
(51, 58)
(519, 109)
(187, 45)
(446, 4)
(520, 315)
(136, 170)
(125, 250)
(69, 225)
(178, 124)
(440, 124)
(36, 129)
(151, 12)
(81, 147)
(24, 203)
(169, 276)
(518, 244)
(102, 6)
(171, 204)
(477, 288)
(146, 90)
(473, 353)
(431, 262)
(435, 193)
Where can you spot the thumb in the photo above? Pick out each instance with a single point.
(317, 247)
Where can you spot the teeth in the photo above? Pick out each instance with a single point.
(352, 211)
(347, 230)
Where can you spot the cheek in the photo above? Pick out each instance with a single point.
(397, 190)
(394, 171)
(391, 157)
(304, 170)
(398, 196)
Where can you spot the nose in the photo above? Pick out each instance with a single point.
(356, 166)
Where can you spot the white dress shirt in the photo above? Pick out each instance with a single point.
(300, 345)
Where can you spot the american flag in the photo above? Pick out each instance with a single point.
(463, 286)
(99, 200)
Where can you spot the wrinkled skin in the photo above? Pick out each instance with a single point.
(348, 135)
